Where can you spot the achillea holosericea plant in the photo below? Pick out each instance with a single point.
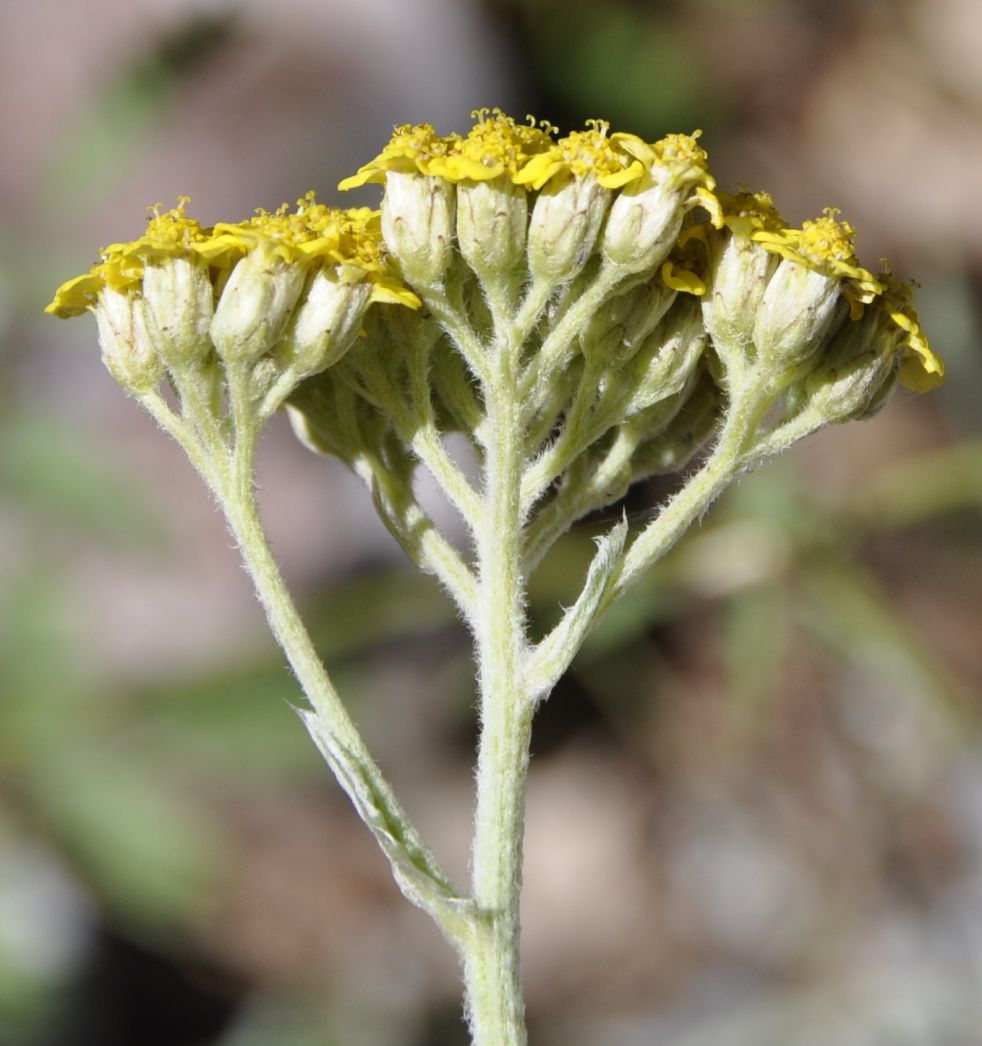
(586, 311)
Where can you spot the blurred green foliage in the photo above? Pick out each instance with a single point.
(124, 114)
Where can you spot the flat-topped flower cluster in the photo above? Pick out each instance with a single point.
(604, 259)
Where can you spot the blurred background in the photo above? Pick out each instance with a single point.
(755, 805)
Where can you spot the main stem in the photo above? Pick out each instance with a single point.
(491, 965)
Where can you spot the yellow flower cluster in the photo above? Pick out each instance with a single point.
(825, 245)
(509, 194)
(530, 156)
(313, 235)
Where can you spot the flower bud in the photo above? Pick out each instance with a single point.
(418, 225)
(668, 357)
(255, 305)
(263, 377)
(326, 323)
(127, 350)
(738, 277)
(313, 414)
(857, 372)
(491, 225)
(179, 305)
(643, 224)
(619, 327)
(566, 219)
(329, 417)
(691, 426)
(797, 312)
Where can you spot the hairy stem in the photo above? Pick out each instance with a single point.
(228, 472)
(727, 460)
(491, 962)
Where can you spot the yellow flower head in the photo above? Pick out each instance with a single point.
(528, 155)
(169, 234)
(678, 161)
(412, 148)
(309, 234)
(585, 153)
(496, 145)
(746, 213)
(317, 236)
(825, 245)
